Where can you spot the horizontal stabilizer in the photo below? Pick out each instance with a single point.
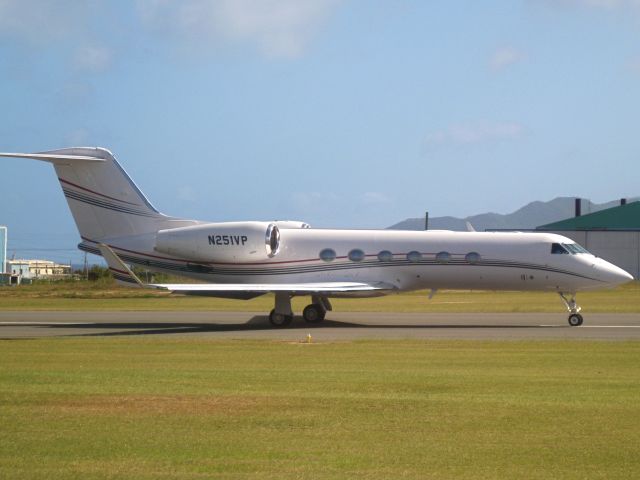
(54, 158)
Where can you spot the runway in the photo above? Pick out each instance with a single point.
(338, 326)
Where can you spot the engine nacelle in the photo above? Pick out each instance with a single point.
(221, 242)
(291, 224)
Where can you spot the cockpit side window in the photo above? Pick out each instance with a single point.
(571, 248)
(565, 248)
(557, 248)
(575, 248)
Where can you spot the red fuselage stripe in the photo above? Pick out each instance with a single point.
(96, 193)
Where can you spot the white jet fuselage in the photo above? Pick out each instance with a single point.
(410, 260)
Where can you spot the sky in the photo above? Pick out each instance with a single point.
(340, 113)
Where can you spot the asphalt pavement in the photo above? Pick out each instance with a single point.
(337, 326)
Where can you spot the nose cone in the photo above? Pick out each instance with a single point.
(612, 275)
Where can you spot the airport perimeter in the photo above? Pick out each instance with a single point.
(145, 393)
(153, 406)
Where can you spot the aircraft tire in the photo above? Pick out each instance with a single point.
(279, 320)
(313, 313)
(575, 319)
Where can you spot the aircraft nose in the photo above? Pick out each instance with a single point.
(612, 274)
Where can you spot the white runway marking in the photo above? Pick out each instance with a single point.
(610, 326)
(591, 326)
(46, 323)
(468, 325)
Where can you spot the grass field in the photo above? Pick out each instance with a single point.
(123, 408)
(106, 296)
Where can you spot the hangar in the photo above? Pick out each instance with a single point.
(613, 234)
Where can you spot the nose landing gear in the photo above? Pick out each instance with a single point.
(575, 319)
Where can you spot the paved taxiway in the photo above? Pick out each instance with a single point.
(338, 326)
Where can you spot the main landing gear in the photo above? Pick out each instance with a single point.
(575, 319)
(282, 315)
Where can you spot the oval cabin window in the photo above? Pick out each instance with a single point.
(443, 257)
(356, 255)
(328, 255)
(385, 256)
(472, 257)
(414, 256)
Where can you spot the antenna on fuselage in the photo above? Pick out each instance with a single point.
(426, 220)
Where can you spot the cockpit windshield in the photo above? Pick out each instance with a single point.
(567, 248)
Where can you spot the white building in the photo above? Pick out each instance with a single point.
(32, 269)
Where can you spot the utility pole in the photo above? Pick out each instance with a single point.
(86, 267)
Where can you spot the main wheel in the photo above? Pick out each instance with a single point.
(575, 319)
(280, 319)
(313, 313)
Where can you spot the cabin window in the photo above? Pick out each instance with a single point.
(472, 257)
(414, 256)
(356, 255)
(385, 256)
(443, 257)
(328, 255)
(557, 248)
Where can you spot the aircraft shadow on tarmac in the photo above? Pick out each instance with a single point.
(256, 323)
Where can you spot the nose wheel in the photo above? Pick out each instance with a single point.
(575, 319)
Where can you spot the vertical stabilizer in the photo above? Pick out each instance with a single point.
(104, 201)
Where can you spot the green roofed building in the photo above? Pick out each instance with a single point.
(623, 217)
(613, 234)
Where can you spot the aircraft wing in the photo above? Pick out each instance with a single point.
(123, 274)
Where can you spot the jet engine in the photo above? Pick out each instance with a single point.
(221, 242)
(291, 224)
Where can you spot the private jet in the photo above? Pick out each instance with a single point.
(246, 259)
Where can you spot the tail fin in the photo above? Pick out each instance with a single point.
(104, 201)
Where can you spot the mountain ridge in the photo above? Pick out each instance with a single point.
(528, 217)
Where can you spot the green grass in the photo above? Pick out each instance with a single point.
(106, 296)
(122, 408)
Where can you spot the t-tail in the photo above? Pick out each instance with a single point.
(103, 199)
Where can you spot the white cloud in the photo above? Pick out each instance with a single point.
(606, 4)
(93, 58)
(374, 198)
(277, 28)
(621, 6)
(60, 25)
(464, 134)
(504, 57)
(314, 200)
(78, 137)
(187, 194)
(634, 64)
(40, 21)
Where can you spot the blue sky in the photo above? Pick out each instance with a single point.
(336, 112)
